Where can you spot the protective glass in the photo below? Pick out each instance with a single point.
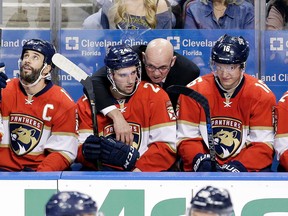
(229, 68)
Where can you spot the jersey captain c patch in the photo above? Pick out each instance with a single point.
(227, 135)
(25, 133)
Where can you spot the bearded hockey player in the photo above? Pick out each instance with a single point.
(145, 106)
(39, 118)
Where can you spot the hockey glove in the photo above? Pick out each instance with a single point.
(91, 148)
(202, 163)
(28, 169)
(117, 153)
(233, 166)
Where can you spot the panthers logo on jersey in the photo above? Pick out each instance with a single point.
(227, 135)
(136, 131)
(25, 133)
(170, 110)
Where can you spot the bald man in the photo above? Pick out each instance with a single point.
(160, 65)
(158, 59)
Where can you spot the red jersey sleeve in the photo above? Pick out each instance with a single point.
(281, 137)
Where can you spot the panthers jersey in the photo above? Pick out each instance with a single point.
(39, 132)
(281, 138)
(153, 123)
(242, 123)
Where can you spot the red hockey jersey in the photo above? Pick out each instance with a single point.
(281, 138)
(40, 133)
(153, 124)
(242, 123)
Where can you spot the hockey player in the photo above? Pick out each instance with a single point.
(72, 203)
(39, 118)
(160, 65)
(145, 106)
(241, 114)
(211, 201)
(281, 132)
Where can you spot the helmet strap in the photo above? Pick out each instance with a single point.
(38, 79)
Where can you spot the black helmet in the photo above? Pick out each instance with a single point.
(121, 56)
(230, 50)
(41, 46)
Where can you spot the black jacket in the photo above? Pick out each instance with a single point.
(182, 72)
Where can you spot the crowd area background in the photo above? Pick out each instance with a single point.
(75, 29)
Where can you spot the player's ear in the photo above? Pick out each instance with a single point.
(242, 66)
(47, 69)
(173, 61)
(143, 56)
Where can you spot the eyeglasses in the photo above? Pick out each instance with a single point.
(162, 69)
(229, 68)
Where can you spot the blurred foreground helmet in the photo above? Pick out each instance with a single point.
(230, 50)
(41, 46)
(212, 200)
(70, 203)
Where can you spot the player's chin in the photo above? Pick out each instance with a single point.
(226, 82)
(227, 86)
(26, 71)
(128, 92)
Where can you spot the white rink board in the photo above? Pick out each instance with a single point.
(12, 194)
(157, 190)
(148, 191)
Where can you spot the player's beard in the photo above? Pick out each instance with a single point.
(31, 77)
